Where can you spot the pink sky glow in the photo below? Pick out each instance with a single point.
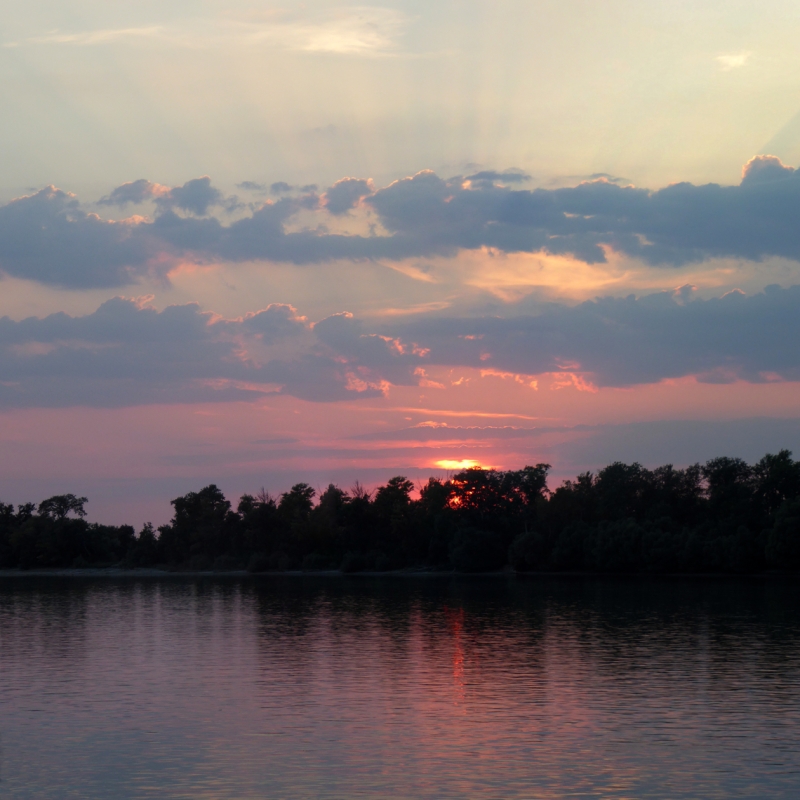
(408, 254)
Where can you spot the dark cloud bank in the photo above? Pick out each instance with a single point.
(50, 237)
(124, 354)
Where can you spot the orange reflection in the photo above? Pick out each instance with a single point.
(455, 624)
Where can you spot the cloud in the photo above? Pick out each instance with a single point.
(354, 31)
(253, 186)
(49, 237)
(196, 196)
(93, 37)
(127, 353)
(276, 323)
(669, 227)
(763, 169)
(576, 448)
(357, 31)
(732, 60)
(611, 178)
(345, 194)
(133, 193)
(627, 341)
(319, 378)
(373, 357)
(489, 176)
(279, 187)
(442, 432)
(610, 341)
(122, 354)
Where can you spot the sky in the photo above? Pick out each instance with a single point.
(254, 243)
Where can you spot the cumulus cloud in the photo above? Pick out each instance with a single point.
(763, 169)
(120, 355)
(626, 341)
(127, 353)
(345, 194)
(49, 237)
(276, 323)
(133, 193)
(196, 196)
(609, 341)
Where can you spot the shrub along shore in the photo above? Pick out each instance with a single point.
(724, 516)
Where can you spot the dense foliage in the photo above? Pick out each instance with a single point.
(724, 516)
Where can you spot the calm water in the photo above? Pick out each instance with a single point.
(399, 688)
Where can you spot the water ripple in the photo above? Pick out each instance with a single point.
(368, 688)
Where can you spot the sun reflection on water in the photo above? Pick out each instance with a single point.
(389, 688)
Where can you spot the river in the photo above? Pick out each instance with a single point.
(428, 687)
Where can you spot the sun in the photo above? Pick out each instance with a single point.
(464, 463)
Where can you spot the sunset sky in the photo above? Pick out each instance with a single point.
(254, 243)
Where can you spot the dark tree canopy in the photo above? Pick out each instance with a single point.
(61, 505)
(722, 516)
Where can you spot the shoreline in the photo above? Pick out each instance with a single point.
(154, 573)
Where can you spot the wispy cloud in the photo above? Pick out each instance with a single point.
(353, 31)
(730, 61)
(104, 36)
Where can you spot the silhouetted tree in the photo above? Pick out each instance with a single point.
(199, 528)
(60, 506)
(142, 550)
(725, 515)
(296, 504)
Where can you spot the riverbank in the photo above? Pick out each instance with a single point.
(118, 572)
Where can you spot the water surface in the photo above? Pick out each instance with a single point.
(399, 688)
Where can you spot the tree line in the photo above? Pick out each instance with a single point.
(723, 516)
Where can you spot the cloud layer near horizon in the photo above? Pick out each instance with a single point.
(127, 353)
(50, 237)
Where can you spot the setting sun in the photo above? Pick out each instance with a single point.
(464, 463)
